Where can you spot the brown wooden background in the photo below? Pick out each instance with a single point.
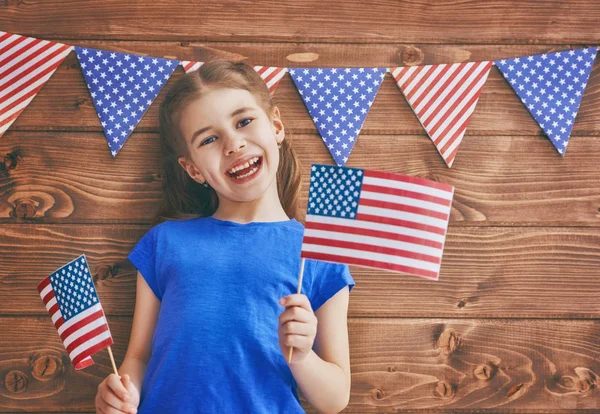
(513, 322)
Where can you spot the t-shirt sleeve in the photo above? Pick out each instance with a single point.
(143, 257)
(329, 279)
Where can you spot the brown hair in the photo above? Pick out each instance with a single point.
(185, 198)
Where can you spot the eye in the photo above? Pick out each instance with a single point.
(243, 122)
(207, 140)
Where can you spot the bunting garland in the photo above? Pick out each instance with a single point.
(338, 100)
(26, 64)
(551, 87)
(122, 86)
(443, 97)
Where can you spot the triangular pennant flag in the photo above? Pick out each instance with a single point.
(26, 64)
(122, 86)
(270, 74)
(551, 86)
(443, 97)
(338, 100)
(190, 65)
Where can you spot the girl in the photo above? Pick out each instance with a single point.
(214, 318)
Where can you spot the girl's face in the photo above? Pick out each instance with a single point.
(232, 144)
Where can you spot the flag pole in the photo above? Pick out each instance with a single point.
(112, 360)
(299, 290)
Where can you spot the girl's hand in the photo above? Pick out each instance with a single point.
(117, 395)
(297, 327)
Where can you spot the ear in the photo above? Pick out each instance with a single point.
(191, 169)
(278, 125)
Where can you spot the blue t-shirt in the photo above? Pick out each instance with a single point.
(216, 347)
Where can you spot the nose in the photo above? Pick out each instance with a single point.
(234, 141)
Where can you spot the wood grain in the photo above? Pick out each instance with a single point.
(516, 180)
(496, 21)
(532, 365)
(486, 272)
(64, 102)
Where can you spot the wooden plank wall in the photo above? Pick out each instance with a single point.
(513, 322)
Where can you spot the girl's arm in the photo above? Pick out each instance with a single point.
(145, 317)
(323, 372)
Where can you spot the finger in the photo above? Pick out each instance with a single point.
(296, 299)
(126, 380)
(117, 387)
(297, 328)
(297, 341)
(296, 313)
(113, 402)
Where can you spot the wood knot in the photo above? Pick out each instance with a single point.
(16, 381)
(566, 382)
(484, 372)
(514, 389)
(80, 102)
(444, 389)
(378, 394)
(46, 368)
(10, 161)
(584, 385)
(25, 208)
(411, 56)
(448, 342)
(105, 272)
(462, 304)
(392, 369)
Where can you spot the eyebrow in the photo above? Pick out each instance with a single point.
(203, 130)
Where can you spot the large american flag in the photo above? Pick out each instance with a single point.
(75, 310)
(376, 219)
(443, 97)
(26, 64)
(551, 86)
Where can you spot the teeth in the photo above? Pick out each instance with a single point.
(252, 171)
(246, 165)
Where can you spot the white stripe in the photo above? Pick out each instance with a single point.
(50, 303)
(455, 144)
(423, 72)
(46, 290)
(417, 188)
(20, 57)
(380, 257)
(402, 215)
(15, 109)
(440, 98)
(465, 83)
(454, 108)
(406, 76)
(88, 344)
(79, 317)
(457, 124)
(374, 241)
(32, 63)
(87, 328)
(408, 201)
(358, 224)
(430, 78)
(434, 91)
(395, 73)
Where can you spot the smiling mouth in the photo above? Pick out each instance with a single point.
(246, 172)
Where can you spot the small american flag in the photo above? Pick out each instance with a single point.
(75, 310)
(26, 64)
(376, 219)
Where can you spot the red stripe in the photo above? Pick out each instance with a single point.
(454, 137)
(406, 193)
(432, 85)
(92, 350)
(440, 89)
(59, 322)
(81, 323)
(402, 207)
(411, 77)
(407, 179)
(19, 101)
(466, 107)
(399, 222)
(3, 37)
(86, 337)
(84, 363)
(370, 248)
(25, 59)
(451, 157)
(447, 98)
(54, 309)
(11, 118)
(402, 71)
(416, 85)
(17, 40)
(48, 297)
(369, 263)
(372, 233)
(42, 285)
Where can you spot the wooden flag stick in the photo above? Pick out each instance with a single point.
(112, 359)
(299, 290)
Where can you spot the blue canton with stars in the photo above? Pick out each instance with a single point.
(338, 100)
(551, 87)
(334, 191)
(122, 86)
(73, 288)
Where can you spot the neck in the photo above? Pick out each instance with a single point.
(267, 208)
